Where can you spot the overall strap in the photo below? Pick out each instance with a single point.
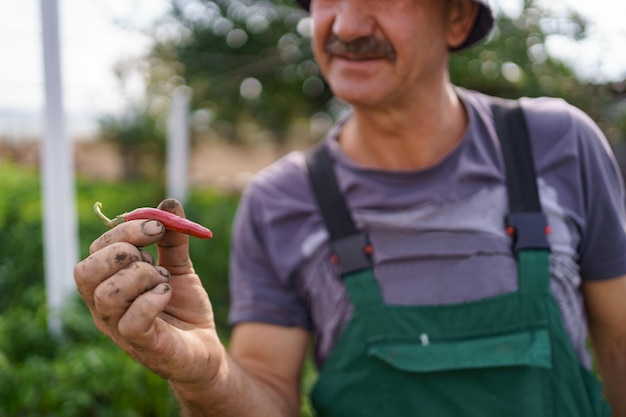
(525, 221)
(351, 249)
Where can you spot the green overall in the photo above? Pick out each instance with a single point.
(503, 356)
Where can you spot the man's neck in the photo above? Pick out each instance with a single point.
(408, 138)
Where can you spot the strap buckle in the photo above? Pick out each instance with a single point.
(529, 230)
(352, 253)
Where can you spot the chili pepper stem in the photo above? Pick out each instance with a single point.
(110, 223)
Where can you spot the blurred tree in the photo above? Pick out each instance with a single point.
(140, 140)
(515, 61)
(244, 59)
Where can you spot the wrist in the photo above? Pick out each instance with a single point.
(206, 380)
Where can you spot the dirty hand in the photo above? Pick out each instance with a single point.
(160, 315)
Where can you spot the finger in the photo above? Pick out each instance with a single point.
(138, 324)
(114, 296)
(138, 232)
(101, 265)
(173, 249)
(147, 257)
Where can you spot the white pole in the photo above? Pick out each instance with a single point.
(178, 144)
(59, 218)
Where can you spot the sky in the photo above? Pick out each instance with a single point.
(93, 38)
(92, 41)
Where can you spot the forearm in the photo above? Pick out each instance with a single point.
(612, 366)
(237, 392)
(607, 314)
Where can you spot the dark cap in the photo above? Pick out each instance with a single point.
(482, 26)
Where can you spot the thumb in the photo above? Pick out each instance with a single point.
(173, 248)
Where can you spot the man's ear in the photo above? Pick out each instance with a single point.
(461, 16)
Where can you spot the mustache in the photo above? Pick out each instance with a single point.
(366, 47)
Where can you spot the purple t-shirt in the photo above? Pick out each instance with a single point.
(438, 233)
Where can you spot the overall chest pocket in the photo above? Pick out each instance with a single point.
(493, 375)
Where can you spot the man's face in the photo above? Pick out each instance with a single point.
(380, 52)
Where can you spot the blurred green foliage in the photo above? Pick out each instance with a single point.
(19, 222)
(244, 60)
(82, 373)
(515, 61)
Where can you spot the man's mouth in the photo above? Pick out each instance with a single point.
(359, 57)
(361, 49)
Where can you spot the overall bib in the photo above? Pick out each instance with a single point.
(503, 356)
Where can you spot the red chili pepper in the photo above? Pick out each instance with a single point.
(169, 220)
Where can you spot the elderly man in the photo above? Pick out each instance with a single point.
(447, 251)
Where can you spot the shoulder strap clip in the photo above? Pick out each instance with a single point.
(525, 223)
(351, 249)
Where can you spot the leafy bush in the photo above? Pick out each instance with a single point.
(21, 263)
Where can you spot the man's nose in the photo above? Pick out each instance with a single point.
(353, 21)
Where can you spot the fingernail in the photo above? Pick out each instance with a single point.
(161, 289)
(152, 228)
(164, 272)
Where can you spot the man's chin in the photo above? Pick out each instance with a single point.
(357, 95)
(357, 72)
